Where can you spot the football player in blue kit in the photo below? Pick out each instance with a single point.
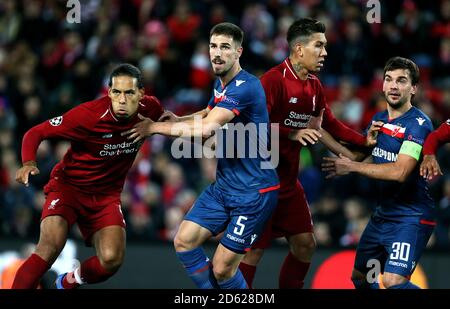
(403, 222)
(246, 189)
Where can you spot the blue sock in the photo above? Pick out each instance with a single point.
(405, 285)
(235, 282)
(198, 268)
(361, 284)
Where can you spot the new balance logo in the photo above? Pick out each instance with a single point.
(239, 82)
(420, 121)
(252, 238)
(293, 100)
(53, 204)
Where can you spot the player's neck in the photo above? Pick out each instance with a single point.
(224, 80)
(299, 69)
(397, 112)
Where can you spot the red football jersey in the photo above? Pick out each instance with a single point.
(99, 157)
(291, 103)
(436, 138)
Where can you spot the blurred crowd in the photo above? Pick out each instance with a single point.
(48, 65)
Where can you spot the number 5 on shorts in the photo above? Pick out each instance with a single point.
(239, 229)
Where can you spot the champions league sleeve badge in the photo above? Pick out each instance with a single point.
(56, 121)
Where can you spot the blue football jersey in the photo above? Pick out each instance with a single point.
(244, 161)
(410, 200)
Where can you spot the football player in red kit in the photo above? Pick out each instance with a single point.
(294, 97)
(430, 166)
(85, 186)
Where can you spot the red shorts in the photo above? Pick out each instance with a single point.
(92, 212)
(291, 217)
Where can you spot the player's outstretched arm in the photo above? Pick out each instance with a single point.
(198, 127)
(337, 148)
(23, 173)
(171, 117)
(430, 166)
(396, 171)
(305, 136)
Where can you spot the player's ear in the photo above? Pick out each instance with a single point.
(142, 91)
(298, 49)
(414, 89)
(239, 52)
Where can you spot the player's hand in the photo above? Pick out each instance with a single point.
(430, 167)
(337, 166)
(23, 173)
(141, 130)
(305, 136)
(372, 134)
(316, 122)
(169, 117)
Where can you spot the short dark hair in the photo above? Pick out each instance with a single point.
(396, 63)
(228, 29)
(304, 27)
(126, 69)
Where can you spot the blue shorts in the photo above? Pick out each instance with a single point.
(396, 245)
(242, 216)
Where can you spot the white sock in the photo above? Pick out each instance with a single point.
(76, 274)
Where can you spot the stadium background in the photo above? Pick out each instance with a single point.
(48, 65)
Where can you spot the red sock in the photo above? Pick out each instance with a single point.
(248, 271)
(30, 273)
(91, 271)
(293, 272)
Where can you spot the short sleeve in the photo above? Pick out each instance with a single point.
(240, 97)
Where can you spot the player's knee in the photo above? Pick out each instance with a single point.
(390, 280)
(223, 272)
(305, 248)
(181, 243)
(111, 259)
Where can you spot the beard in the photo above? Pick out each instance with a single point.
(398, 104)
(221, 72)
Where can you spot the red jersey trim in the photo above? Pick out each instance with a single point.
(286, 62)
(112, 114)
(236, 111)
(427, 222)
(269, 189)
(104, 114)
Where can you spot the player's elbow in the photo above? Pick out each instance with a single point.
(401, 175)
